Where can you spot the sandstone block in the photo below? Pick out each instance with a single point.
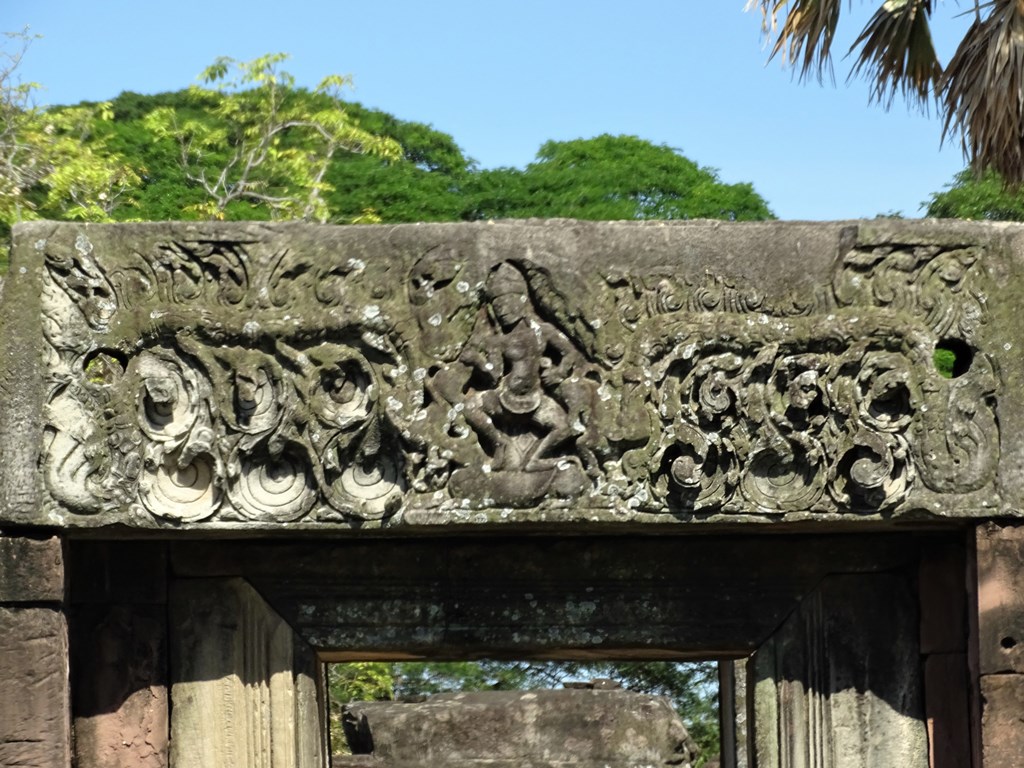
(31, 570)
(35, 729)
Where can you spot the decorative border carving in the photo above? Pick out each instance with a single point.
(229, 382)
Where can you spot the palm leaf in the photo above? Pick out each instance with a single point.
(983, 91)
(805, 35)
(897, 53)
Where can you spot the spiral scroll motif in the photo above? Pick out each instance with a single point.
(256, 407)
(343, 390)
(186, 493)
(168, 397)
(275, 489)
(374, 489)
(778, 481)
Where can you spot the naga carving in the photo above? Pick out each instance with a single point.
(231, 382)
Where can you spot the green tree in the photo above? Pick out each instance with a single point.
(983, 197)
(52, 163)
(612, 178)
(355, 681)
(259, 146)
(980, 90)
(427, 184)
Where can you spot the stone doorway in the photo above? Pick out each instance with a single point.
(857, 641)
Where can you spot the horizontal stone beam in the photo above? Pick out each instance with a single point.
(623, 597)
(533, 374)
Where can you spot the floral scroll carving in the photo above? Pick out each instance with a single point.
(778, 431)
(229, 382)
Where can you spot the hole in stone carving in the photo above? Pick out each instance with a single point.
(377, 708)
(1008, 642)
(102, 366)
(952, 358)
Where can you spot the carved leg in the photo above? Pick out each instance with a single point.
(552, 418)
(480, 408)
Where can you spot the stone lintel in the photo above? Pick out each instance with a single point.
(269, 378)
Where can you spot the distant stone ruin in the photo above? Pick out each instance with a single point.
(513, 729)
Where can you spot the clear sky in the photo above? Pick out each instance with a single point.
(503, 77)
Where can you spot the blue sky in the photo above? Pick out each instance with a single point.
(504, 77)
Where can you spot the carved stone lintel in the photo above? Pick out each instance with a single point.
(223, 380)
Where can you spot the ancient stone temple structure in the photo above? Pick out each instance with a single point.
(230, 453)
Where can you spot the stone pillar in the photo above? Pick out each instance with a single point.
(1000, 643)
(243, 689)
(942, 591)
(733, 703)
(838, 684)
(35, 727)
(119, 654)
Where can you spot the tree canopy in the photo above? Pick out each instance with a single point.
(249, 144)
(984, 198)
(980, 91)
(613, 178)
(54, 163)
(256, 143)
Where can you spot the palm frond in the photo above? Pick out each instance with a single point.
(983, 91)
(897, 53)
(805, 35)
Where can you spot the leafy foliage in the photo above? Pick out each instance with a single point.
(355, 681)
(613, 178)
(945, 362)
(258, 144)
(55, 163)
(980, 90)
(985, 197)
(249, 144)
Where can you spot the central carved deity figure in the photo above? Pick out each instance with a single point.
(527, 356)
(520, 398)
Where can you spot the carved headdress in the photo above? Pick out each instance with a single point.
(505, 280)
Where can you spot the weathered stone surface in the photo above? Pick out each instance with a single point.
(839, 685)
(1000, 564)
(1002, 721)
(250, 376)
(1000, 554)
(946, 688)
(636, 595)
(31, 570)
(35, 728)
(237, 689)
(22, 374)
(118, 572)
(358, 761)
(119, 686)
(509, 729)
